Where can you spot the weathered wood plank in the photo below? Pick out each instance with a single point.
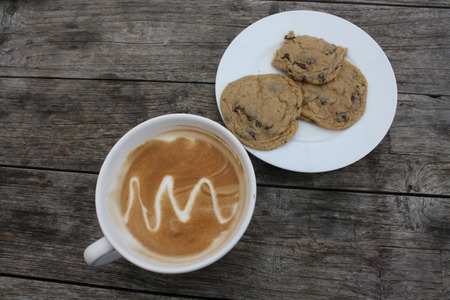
(375, 172)
(79, 121)
(424, 3)
(72, 124)
(445, 257)
(20, 288)
(400, 283)
(169, 41)
(308, 243)
(422, 126)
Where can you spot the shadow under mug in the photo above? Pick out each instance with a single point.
(116, 241)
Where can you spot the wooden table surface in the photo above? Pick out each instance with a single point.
(76, 75)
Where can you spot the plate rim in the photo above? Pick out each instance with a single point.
(392, 103)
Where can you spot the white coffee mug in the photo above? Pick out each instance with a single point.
(116, 241)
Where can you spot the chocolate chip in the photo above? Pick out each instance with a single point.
(355, 99)
(323, 100)
(321, 77)
(286, 56)
(258, 124)
(252, 133)
(301, 65)
(268, 127)
(342, 117)
(239, 108)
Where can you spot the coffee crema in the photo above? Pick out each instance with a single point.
(183, 194)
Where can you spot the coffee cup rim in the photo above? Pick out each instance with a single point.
(172, 120)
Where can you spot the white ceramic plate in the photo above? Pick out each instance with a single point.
(312, 148)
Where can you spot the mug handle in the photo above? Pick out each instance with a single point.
(100, 252)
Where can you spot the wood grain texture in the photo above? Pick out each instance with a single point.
(77, 75)
(152, 40)
(445, 258)
(300, 243)
(423, 3)
(399, 283)
(429, 119)
(72, 124)
(20, 288)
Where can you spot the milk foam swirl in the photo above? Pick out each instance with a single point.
(183, 215)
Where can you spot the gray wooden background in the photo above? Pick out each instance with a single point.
(76, 75)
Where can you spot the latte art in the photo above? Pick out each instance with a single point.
(166, 186)
(183, 195)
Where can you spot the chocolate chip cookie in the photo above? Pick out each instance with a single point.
(309, 59)
(262, 110)
(337, 104)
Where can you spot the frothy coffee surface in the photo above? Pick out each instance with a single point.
(182, 194)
